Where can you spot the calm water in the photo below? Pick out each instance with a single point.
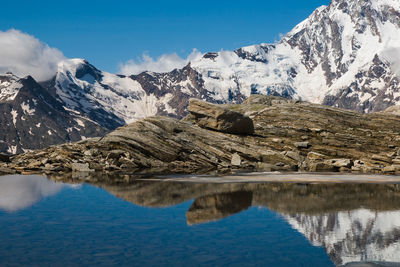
(44, 223)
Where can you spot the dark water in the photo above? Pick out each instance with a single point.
(43, 223)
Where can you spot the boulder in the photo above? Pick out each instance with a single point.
(346, 163)
(210, 116)
(236, 160)
(294, 155)
(322, 167)
(302, 144)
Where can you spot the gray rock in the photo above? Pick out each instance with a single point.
(236, 160)
(302, 144)
(346, 163)
(294, 155)
(217, 118)
(391, 168)
(34, 164)
(315, 156)
(81, 167)
(261, 166)
(322, 167)
(381, 158)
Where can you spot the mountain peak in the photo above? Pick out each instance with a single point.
(72, 64)
(345, 55)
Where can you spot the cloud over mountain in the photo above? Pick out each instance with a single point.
(164, 63)
(23, 54)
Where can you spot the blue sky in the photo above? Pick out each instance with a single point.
(110, 32)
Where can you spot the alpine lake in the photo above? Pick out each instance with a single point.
(262, 219)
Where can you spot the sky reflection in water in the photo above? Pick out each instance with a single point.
(153, 223)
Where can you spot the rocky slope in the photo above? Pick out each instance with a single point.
(344, 55)
(32, 118)
(288, 136)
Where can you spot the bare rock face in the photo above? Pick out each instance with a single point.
(337, 140)
(211, 116)
(394, 110)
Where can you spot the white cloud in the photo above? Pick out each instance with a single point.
(18, 192)
(164, 63)
(23, 54)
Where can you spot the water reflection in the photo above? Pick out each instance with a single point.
(19, 192)
(353, 222)
(352, 236)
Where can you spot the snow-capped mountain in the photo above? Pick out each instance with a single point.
(114, 100)
(353, 236)
(33, 118)
(345, 55)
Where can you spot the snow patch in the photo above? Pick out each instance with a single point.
(80, 122)
(9, 87)
(12, 150)
(27, 109)
(14, 115)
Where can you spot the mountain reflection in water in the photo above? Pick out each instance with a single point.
(352, 222)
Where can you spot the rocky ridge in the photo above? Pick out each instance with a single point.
(33, 118)
(288, 136)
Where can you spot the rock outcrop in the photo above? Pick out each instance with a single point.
(216, 117)
(288, 136)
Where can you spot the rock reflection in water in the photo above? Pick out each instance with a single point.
(215, 207)
(353, 222)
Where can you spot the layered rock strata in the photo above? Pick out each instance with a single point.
(288, 136)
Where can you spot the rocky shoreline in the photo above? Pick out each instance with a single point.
(264, 133)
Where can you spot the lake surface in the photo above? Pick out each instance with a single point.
(153, 223)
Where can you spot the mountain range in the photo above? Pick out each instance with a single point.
(344, 55)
